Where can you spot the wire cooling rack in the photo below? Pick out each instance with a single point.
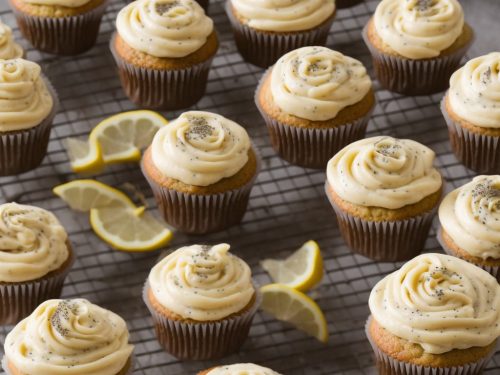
(287, 206)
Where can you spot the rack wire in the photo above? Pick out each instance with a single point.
(287, 207)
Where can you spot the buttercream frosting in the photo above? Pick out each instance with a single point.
(203, 283)
(200, 148)
(284, 15)
(384, 172)
(32, 243)
(419, 29)
(164, 28)
(242, 369)
(474, 93)
(9, 49)
(62, 3)
(316, 83)
(69, 337)
(439, 302)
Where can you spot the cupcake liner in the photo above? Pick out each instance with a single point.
(265, 48)
(342, 4)
(479, 152)
(24, 150)
(414, 77)
(388, 241)
(204, 4)
(493, 270)
(61, 35)
(202, 340)
(310, 147)
(162, 89)
(390, 366)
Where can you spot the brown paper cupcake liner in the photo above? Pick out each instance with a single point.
(390, 366)
(265, 48)
(162, 89)
(204, 4)
(388, 241)
(342, 4)
(414, 77)
(24, 150)
(479, 152)
(202, 340)
(65, 36)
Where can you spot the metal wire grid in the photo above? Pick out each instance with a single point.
(287, 206)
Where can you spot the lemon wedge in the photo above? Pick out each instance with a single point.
(294, 307)
(302, 270)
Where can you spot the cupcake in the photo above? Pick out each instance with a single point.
(471, 108)
(385, 192)
(28, 105)
(164, 50)
(315, 101)
(266, 30)
(417, 44)
(470, 223)
(201, 168)
(69, 337)
(9, 49)
(202, 301)
(436, 315)
(61, 27)
(35, 258)
(239, 369)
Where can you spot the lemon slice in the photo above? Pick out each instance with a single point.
(129, 229)
(302, 270)
(291, 306)
(84, 156)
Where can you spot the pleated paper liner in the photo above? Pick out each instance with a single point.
(65, 36)
(202, 340)
(204, 4)
(414, 77)
(342, 4)
(162, 89)
(390, 366)
(265, 48)
(310, 147)
(493, 270)
(479, 152)
(388, 241)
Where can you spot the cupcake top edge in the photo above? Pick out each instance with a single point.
(202, 283)
(316, 83)
(62, 3)
(439, 302)
(242, 369)
(384, 172)
(9, 49)
(164, 28)
(70, 337)
(32, 243)
(470, 215)
(419, 29)
(200, 148)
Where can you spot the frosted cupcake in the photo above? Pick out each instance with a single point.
(436, 315)
(28, 105)
(201, 168)
(35, 258)
(385, 192)
(315, 101)
(417, 44)
(266, 30)
(470, 223)
(202, 301)
(69, 337)
(471, 108)
(164, 50)
(9, 49)
(239, 369)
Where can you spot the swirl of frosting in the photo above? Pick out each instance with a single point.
(440, 302)
(9, 49)
(470, 215)
(32, 243)
(24, 98)
(203, 283)
(419, 29)
(242, 369)
(64, 337)
(62, 3)
(284, 15)
(316, 83)
(384, 172)
(200, 148)
(164, 28)
(474, 93)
